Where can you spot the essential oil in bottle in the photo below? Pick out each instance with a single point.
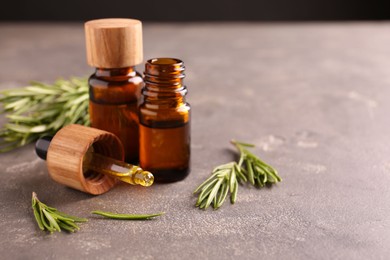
(114, 48)
(165, 121)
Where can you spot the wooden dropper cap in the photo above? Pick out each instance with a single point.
(114, 43)
(66, 153)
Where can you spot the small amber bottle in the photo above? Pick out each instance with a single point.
(114, 47)
(165, 121)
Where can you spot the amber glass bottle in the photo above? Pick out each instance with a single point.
(165, 121)
(114, 47)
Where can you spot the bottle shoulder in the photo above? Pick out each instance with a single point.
(117, 89)
(99, 81)
(154, 115)
(165, 107)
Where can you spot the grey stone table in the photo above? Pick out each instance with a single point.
(314, 98)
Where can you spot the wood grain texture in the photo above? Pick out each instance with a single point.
(66, 152)
(114, 43)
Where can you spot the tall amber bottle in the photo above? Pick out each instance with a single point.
(165, 121)
(114, 47)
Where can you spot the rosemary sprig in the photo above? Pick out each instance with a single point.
(41, 109)
(50, 219)
(225, 178)
(126, 216)
(214, 190)
(257, 172)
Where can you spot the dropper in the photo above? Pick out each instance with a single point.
(97, 163)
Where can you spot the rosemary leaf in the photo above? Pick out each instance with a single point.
(233, 197)
(38, 218)
(232, 180)
(213, 193)
(250, 172)
(126, 216)
(224, 194)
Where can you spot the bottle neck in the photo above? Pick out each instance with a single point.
(116, 72)
(164, 82)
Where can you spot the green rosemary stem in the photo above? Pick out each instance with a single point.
(225, 178)
(42, 109)
(214, 190)
(257, 171)
(50, 219)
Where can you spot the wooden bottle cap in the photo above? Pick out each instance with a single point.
(114, 43)
(66, 153)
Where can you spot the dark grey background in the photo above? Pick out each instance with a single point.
(313, 97)
(212, 10)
